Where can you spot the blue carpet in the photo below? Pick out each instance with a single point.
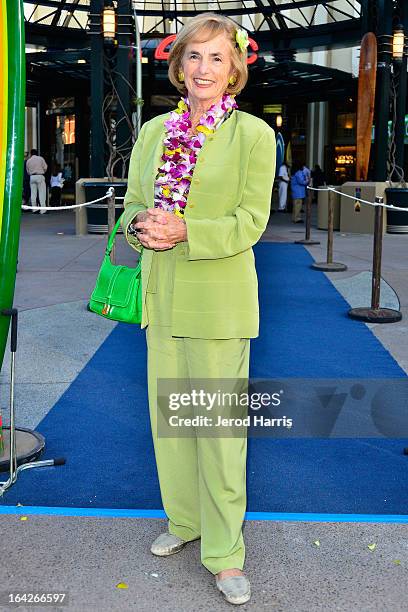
(101, 423)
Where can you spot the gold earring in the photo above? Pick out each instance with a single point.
(181, 76)
(232, 80)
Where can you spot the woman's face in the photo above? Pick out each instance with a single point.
(207, 68)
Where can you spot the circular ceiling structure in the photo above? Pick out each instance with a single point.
(168, 17)
(281, 29)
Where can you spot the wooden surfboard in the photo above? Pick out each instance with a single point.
(12, 101)
(280, 151)
(365, 105)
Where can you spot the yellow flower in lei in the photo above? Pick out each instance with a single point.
(241, 38)
(205, 130)
(181, 107)
(169, 152)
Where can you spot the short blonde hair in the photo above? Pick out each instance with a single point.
(205, 27)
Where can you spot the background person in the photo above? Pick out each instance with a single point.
(284, 179)
(298, 184)
(200, 298)
(308, 194)
(318, 180)
(318, 176)
(36, 168)
(26, 182)
(56, 184)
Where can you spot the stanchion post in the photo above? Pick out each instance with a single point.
(373, 313)
(377, 252)
(329, 265)
(23, 444)
(330, 226)
(111, 220)
(308, 214)
(307, 239)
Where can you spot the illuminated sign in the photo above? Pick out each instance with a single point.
(161, 53)
(344, 160)
(272, 109)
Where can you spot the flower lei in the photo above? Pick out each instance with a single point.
(173, 180)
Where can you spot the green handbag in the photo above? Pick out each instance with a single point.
(118, 290)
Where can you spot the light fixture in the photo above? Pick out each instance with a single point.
(109, 22)
(348, 123)
(398, 43)
(279, 121)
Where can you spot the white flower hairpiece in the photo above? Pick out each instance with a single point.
(241, 38)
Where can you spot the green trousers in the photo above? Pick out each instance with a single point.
(202, 479)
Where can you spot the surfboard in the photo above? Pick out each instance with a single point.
(12, 101)
(365, 103)
(280, 151)
(289, 154)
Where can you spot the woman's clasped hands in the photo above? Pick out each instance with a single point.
(159, 229)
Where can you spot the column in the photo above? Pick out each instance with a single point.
(382, 102)
(124, 68)
(82, 135)
(402, 98)
(97, 92)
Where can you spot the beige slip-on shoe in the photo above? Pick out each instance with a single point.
(167, 544)
(236, 589)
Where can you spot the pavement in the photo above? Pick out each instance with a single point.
(294, 566)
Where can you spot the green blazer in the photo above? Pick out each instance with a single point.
(228, 207)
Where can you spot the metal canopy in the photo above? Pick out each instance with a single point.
(268, 82)
(285, 13)
(280, 27)
(276, 16)
(70, 64)
(306, 82)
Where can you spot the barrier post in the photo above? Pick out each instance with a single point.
(307, 239)
(111, 220)
(330, 221)
(375, 314)
(377, 255)
(329, 265)
(23, 444)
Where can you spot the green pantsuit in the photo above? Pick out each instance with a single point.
(202, 479)
(200, 308)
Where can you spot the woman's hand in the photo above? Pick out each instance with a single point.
(146, 234)
(159, 229)
(141, 216)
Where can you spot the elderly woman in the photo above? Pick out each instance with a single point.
(198, 199)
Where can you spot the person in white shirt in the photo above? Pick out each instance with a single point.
(56, 184)
(283, 177)
(36, 168)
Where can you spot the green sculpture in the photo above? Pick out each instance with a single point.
(12, 102)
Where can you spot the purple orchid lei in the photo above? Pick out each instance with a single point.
(173, 180)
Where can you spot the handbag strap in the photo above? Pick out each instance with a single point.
(112, 237)
(111, 240)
